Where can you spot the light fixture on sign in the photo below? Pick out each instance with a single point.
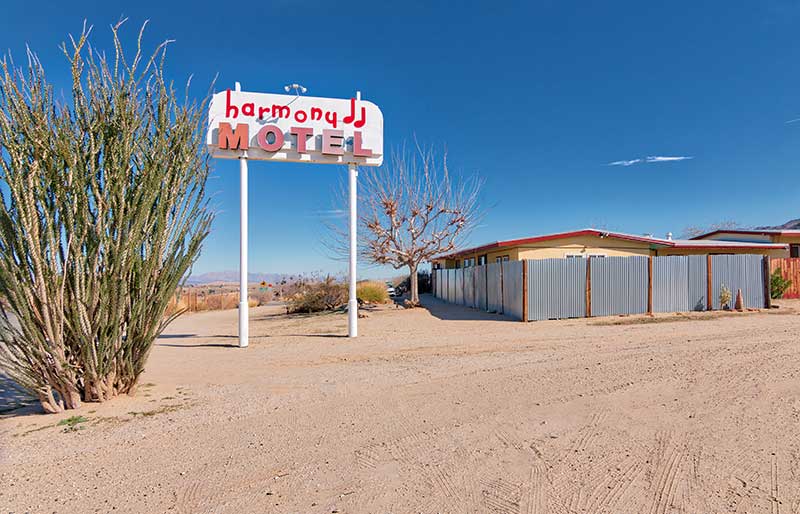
(298, 88)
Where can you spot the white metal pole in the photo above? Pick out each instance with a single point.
(244, 301)
(244, 304)
(352, 304)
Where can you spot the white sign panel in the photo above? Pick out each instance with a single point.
(295, 128)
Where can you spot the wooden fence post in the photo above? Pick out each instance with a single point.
(650, 285)
(524, 290)
(502, 289)
(709, 284)
(588, 287)
(767, 282)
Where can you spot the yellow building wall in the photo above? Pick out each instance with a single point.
(703, 251)
(610, 247)
(793, 240)
(584, 245)
(560, 248)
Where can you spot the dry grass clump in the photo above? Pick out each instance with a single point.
(371, 291)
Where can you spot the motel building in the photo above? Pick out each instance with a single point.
(595, 243)
(789, 237)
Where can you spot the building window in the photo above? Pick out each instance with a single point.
(794, 250)
(503, 258)
(584, 256)
(481, 260)
(468, 263)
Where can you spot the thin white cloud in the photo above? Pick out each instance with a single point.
(662, 158)
(793, 121)
(625, 163)
(652, 158)
(329, 213)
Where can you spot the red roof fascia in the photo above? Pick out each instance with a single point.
(552, 237)
(769, 246)
(614, 235)
(742, 232)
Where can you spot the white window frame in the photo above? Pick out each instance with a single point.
(584, 255)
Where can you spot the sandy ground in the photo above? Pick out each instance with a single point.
(441, 410)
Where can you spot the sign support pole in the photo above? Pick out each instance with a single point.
(352, 303)
(244, 302)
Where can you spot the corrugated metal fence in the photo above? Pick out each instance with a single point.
(480, 288)
(745, 272)
(556, 289)
(560, 288)
(512, 288)
(618, 285)
(679, 283)
(494, 287)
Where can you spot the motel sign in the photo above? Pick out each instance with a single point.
(273, 127)
(295, 128)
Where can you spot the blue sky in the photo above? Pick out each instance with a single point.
(536, 97)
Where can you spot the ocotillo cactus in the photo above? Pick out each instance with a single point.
(102, 213)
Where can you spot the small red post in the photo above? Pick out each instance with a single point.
(524, 291)
(650, 285)
(589, 287)
(709, 284)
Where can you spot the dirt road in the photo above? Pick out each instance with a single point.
(430, 412)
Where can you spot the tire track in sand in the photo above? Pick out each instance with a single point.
(502, 496)
(610, 492)
(189, 500)
(536, 500)
(668, 475)
(414, 451)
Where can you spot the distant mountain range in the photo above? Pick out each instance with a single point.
(215, 277)
(789, 225)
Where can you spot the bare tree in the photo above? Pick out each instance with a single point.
(410, 210)
(697, 230)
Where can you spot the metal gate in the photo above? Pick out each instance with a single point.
(556, 289)
(619, 285)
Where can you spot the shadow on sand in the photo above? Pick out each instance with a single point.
(199, 345)
(451, 312)
(14, 400)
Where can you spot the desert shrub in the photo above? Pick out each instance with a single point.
(325, 295)
(372, 292)
(777, 284)
(102, 213)
(725, 296)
